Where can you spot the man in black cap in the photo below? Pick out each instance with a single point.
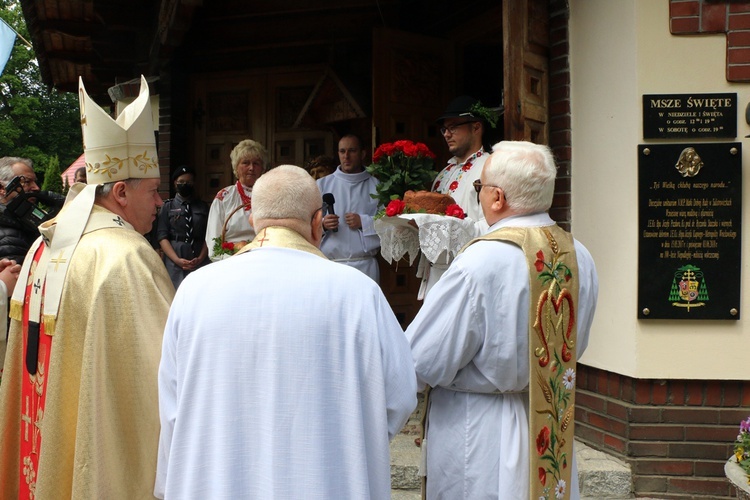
(462, 127)
(181, 228)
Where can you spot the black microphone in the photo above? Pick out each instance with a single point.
(329, 200)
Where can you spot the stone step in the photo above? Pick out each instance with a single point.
(600, 476)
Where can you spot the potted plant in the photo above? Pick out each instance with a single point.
(737, 468)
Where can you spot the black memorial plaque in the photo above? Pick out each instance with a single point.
(689, 116)
(689, 225)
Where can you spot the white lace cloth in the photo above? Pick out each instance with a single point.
(436, 234)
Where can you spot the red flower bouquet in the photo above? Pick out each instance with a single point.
(401, 166)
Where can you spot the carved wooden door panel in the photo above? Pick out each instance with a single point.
(261, 105)
(225, 111)
(413, 81)
(526, 70)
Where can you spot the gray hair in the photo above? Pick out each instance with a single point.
(526, 172)
(248, 149)
(286, 192)
(102, 190)
(6, 167)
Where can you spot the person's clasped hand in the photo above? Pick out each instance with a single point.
(9, 272)
(354, 221)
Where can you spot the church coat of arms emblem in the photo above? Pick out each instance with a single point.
(688, 288)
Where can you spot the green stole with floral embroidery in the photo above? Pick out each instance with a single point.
(553, 286)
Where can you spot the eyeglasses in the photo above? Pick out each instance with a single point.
(478, 187)
(181, 183)
(452, 128)
(25, 181)
(323, 208)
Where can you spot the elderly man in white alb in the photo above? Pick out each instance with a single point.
(263, 392)
(79, 412)
(498, 338)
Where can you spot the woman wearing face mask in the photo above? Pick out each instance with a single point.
(181, 229)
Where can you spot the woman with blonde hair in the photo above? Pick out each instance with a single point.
(249, 161)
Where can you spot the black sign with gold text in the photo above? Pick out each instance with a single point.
(689, 227)
(689, 116)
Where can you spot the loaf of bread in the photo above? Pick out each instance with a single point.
(427, 201)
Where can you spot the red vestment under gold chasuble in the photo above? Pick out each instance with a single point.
(553, 285)
(33, 390)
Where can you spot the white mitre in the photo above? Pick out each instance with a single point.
(116, 150)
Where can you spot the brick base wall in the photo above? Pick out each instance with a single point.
(675, 434)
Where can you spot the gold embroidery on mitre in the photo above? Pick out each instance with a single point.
(119, 148)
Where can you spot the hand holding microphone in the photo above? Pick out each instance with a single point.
(329, 200)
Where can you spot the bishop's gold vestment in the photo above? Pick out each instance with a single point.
(99, 428)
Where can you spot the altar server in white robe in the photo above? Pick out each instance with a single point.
(350, 236)
(470, 340)
(264, 391)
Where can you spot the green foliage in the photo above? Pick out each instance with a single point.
(401, 166)
(52, 176)
(490, 115)
(35, 122)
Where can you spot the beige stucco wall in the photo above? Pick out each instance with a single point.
(620, 50)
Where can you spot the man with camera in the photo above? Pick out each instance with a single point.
(16, 236)
(19, 213)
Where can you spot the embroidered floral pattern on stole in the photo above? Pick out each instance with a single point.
(555, 375)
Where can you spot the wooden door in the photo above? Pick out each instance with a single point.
(526, 70)
(226, 110)
(259, 105)
(413, 81)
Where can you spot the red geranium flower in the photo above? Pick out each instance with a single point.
(410, 149)
(227, 245)
(542, 440)
(395, 207)
(539, 264)
(455, 210)
(400, 145)
(424, 150)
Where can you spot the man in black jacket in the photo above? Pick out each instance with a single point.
(16, 236)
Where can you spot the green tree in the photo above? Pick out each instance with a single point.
(52, 177)
(35, 122)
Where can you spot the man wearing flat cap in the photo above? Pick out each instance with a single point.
(78, 402)
(462, 128)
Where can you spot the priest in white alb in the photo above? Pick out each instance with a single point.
(78, 399)
(350, 236)
(497, 339)
(264, 390)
